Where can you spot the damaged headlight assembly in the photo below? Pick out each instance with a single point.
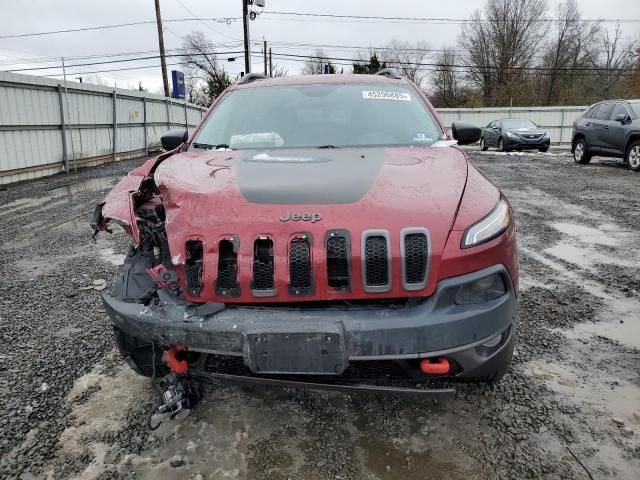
(490, 227)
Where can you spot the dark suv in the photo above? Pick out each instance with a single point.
(610, 129)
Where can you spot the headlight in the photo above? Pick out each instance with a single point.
(511, 135)
(481, 291)
(546, 135)
(489, 227)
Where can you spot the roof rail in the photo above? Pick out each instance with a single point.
(252, 77)
(390, 72)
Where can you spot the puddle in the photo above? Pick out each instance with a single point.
(586, 234)
(616, 308)
(614, 396)
(90, 184)
(585, 257)
(100, 183)
(387, 462)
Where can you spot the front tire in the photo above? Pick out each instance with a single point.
(543, 150)
(580, 153)
(500, 145)
(632, 157)
(483, 145)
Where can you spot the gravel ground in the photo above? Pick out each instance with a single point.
(569, 407)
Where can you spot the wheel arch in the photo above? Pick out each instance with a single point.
(577, 137)
(634, 137)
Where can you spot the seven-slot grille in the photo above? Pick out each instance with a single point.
(376, 264)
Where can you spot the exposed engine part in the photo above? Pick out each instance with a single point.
(179, 395)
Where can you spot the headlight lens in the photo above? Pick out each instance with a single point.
(546, 135)
(481, 291)
(489, 227)
(511, 135)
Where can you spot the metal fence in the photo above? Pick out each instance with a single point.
(558, 121)
(47, 127)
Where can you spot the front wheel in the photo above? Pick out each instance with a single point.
(483, 145)
(580, 153)
(543, 150)
(500, 145)
(632, 157)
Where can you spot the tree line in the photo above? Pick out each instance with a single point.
(510, 52)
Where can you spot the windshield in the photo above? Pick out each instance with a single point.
(319, 116)
(514, 123)
(636, 108)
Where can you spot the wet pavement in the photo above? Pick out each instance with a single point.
(569, 407)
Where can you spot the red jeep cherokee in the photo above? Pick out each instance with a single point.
(315, 230)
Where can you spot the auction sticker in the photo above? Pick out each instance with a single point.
(380, 95)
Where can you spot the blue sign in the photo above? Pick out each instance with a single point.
(177, 78)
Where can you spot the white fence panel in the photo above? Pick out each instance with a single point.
(46, 128)
(558, 121)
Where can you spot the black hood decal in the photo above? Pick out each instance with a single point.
(308, 176)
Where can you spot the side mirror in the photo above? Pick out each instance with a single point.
(465, 133)
(622, 118)
(174, 138)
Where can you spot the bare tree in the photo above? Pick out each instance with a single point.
(573, 40)
(613, 60)
(279, 71)
(634, 79)
(408, 58)
(198, 53)
(500, 44)
(447, 88)
(205, 79)
(316, 64)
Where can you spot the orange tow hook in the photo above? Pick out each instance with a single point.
(174, 358)
(435, 366)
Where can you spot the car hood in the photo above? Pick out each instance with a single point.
(353, 189)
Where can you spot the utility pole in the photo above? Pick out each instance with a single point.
(247, 40)
(265, 59)
(163, 62)
(270, 63)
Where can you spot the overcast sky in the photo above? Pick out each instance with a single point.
(26, 16)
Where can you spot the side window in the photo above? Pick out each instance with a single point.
(604, 112)
(619, 109)
(591, 112)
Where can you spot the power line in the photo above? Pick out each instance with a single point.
(443, 65)
(227, 20)
(136, 59)
(429, 66)
(433, 19)
(202, 21)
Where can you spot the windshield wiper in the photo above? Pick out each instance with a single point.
(206, 146)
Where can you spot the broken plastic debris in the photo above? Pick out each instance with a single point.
(100, 281)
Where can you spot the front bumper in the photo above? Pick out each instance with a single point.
(432, 327)
(522, 143)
